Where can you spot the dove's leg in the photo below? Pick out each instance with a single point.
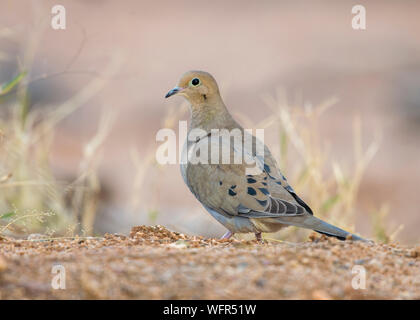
(227, 235)
(258, 236)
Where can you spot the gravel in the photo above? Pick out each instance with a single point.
(155, 263)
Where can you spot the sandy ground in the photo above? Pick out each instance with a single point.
(155, 263)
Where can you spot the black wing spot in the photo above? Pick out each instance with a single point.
(220, 183)
(233, 187)
(232, 193)
(251, 191)
(251, 180)
(267, 168)
(264, 190)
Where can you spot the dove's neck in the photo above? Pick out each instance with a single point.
(211, 115)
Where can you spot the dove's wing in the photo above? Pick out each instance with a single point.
(231, 190)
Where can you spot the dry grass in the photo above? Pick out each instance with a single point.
(32, 199)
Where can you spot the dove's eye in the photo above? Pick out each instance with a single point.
(195, 82)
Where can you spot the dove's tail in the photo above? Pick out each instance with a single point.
(313, 223)
(333, 231)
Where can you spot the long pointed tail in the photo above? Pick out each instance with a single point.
(316, 224)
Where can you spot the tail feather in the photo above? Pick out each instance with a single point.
(316, 224)
(332, 235)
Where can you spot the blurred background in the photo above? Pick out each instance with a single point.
(78, 125)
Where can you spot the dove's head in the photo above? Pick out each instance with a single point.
(197, 87)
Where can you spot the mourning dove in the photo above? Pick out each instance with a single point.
(242, 200)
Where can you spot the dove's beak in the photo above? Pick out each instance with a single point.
(173, 91)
